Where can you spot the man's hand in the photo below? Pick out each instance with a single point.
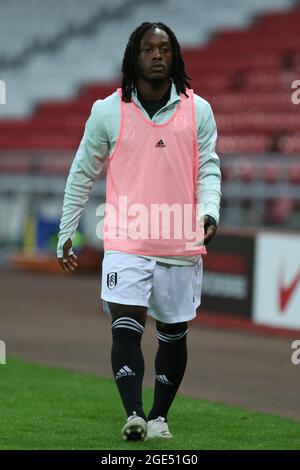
(68, 262)
(210, 228)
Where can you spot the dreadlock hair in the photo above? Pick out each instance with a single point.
(129, 80)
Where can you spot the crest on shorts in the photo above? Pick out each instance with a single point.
(112, 279)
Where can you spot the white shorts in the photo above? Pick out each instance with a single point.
(171, 293)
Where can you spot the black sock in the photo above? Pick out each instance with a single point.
(128, 362)
(170, 365)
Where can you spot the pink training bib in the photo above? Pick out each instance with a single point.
(151, 184)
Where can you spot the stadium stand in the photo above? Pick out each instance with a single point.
(242, 57)
(50, 52)
(245, 90)
(32, 23)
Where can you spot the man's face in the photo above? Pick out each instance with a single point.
(155, 56)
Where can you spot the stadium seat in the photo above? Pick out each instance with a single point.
(272, 173)
(294, 174)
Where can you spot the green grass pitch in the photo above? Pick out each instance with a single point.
(50, 408)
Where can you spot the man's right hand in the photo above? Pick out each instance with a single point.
(68, 261)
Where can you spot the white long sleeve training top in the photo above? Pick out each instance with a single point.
(98, 142)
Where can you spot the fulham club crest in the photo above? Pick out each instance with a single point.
(112, 280)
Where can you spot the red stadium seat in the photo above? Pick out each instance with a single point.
(280, 210)
(271, 173)
(244, 144)
(290, 144)
(294, 174)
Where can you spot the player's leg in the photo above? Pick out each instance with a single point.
(174, 299)
(170, 365)
(128, 322)
(127, 278)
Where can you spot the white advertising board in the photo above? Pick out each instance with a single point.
(277, 280)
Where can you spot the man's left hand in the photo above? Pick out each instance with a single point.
(210, 228)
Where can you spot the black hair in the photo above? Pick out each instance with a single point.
(129, 80)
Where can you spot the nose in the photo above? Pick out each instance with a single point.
(156, 53)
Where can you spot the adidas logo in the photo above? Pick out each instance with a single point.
(160, 143)
(124, 372)
(163, 379)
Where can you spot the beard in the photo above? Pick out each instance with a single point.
(155, 82)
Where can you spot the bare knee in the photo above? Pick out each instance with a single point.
(171, 327)
(120, 310)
